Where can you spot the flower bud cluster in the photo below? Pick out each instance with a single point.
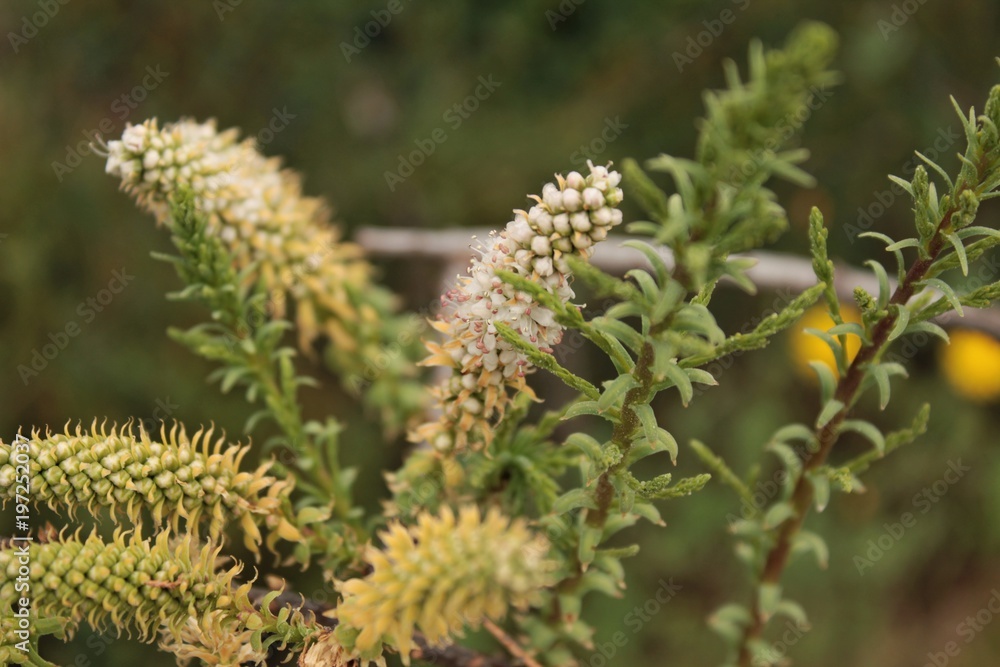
(439, 576)
(195, 478)
(570, 218)
(127, 582)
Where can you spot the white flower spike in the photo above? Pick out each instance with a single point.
(570, 217)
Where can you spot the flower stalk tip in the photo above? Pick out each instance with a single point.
(570, 217)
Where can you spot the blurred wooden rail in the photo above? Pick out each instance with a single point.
(773, 271)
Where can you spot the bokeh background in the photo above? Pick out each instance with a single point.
(568, 72)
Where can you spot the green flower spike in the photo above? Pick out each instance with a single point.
(195, 478)
(439, 576)
(127, 582)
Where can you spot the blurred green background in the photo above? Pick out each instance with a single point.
(567, 73)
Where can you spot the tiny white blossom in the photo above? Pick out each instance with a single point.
(569, 218)
(255, 207)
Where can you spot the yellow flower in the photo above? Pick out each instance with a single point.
(440, 575)
(971, 365)
(805, 347)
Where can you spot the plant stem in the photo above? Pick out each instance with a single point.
(621, 435)
(288, 416)
(827, 436)
(508, 643)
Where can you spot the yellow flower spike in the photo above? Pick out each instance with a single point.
(805, 347)
(971, 365)
(440, 575)
(139, 584)
(201, 460)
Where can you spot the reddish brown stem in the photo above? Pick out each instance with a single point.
(827, 436)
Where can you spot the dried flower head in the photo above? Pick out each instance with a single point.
(324, 650)
(570, 218)
(215, 639)
(440, 575)
(197, 479)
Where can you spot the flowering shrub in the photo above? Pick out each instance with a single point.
(496, 519)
